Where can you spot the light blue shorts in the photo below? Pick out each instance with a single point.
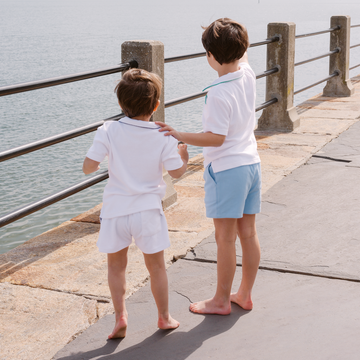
(234, 192)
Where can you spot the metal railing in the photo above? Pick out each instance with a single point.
(40, 144)
(34, 85)
(335, 73)
(335, 51)
(318, 32)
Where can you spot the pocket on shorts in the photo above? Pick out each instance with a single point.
(150, 222)
(211, 173)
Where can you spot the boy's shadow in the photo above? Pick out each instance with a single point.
(165, 344)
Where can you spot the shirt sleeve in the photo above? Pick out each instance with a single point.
(247, 68)
(100, 147)
(216, 115)
(170, 156)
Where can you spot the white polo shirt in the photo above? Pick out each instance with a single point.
(230, 110)
(137, 152)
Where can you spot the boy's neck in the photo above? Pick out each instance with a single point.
(225, 69)
(142, 117)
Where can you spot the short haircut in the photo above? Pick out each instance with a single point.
(226, 39)
(138, 92)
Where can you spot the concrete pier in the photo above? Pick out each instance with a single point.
(53, 288)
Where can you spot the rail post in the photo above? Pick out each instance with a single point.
(339, 85)
(149, 55)
(282, 115)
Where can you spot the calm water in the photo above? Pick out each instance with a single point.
(48, 38)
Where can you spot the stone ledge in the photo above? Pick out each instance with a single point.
(36, 323)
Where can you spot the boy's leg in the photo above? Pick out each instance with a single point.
(250, 260)
(155, 263)
(225, 235)
(116, 277)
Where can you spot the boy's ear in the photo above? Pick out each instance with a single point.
(157, 105)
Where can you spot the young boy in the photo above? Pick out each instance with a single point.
(132, 197)
(232, 165)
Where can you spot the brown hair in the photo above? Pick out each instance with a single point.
(226, 39)
(138, 92)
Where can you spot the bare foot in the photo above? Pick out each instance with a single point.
(120, 327)
(168, 323)
(210, 307)
(245, 303)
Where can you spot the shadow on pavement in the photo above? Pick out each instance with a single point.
(175, 345)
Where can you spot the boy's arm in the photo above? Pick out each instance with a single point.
(185, 158)
(90, 166)
(197, 139)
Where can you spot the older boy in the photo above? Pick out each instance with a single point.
(232, 165)
(132, 197)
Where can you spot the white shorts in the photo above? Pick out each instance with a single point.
(148, 228)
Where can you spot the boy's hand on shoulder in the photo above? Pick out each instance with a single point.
(183, 153)
(170, 131)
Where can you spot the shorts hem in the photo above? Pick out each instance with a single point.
(161, 248)
(112, 251)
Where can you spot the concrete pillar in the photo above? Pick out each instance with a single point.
(149, 54)
(339, 85)
(281, 115)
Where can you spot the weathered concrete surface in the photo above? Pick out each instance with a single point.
(295, 317)
(69, 252)
(33, 250)
(35, 323)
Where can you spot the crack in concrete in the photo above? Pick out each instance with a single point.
(183, 231)
(86, 296)
(184, 296)
(331, 158)
(285, 271)
(274, 203)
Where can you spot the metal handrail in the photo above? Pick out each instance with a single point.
(354, 26)
(184, 57)
(266, 104)
(354, 67)
(52, 140)
(338, 27)
(354, 46)
(40, 84)
(267, 41)
(337, 50)
(55, 139)
(51, 199)
(268, 72)
(184, 99)
(335, 73)
(73, 189)
(200, 54)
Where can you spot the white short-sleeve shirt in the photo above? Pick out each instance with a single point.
(137, 152)
(230, 110)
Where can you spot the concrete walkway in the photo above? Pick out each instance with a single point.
(307, 294)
